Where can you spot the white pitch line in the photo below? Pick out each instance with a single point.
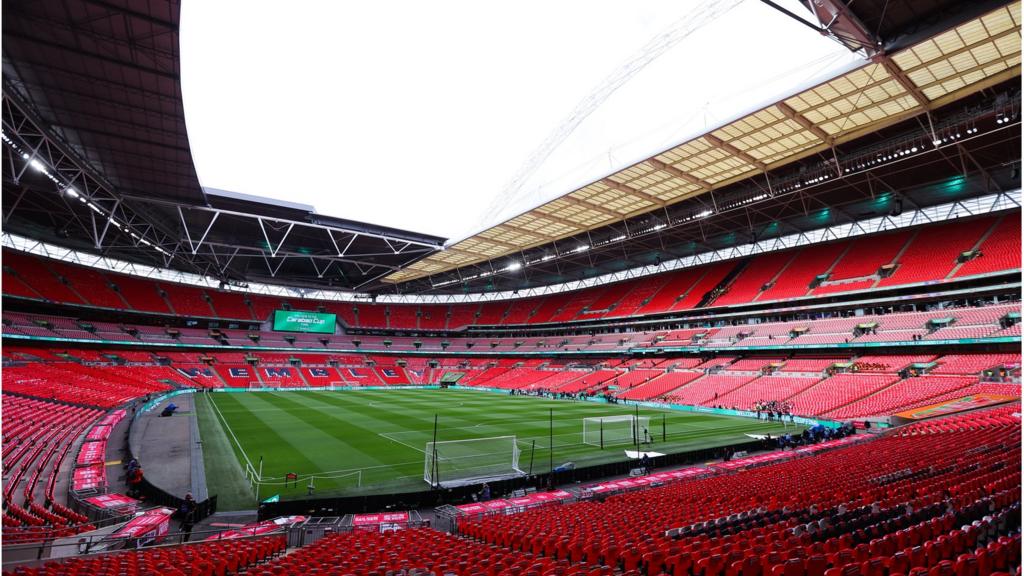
(385, 435)
(225, 425)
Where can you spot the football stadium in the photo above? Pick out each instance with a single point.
(698, 288)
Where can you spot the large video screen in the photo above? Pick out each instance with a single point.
(297, 321)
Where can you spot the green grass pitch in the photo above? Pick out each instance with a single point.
(383, 435)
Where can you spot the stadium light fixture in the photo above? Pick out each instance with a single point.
(513, 266)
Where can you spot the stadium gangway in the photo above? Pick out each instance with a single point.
(317, 527)
(447, 517)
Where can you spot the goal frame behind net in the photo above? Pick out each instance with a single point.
(452, 463)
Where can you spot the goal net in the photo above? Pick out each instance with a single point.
(610, 430)
(463, 462)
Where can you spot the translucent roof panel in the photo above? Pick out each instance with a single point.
(419, 115)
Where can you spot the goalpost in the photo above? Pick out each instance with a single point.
(464, 462)
(610, 430)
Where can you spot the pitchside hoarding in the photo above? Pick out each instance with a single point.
(295, 321)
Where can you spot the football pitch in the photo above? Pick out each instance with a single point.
(375, 441)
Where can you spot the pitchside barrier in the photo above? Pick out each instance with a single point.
(447, 517)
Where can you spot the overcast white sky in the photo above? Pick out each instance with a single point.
(417, 114)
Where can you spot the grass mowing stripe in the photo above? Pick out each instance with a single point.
(226, 427)
(344, 430)
(224, 474)
(256, 432)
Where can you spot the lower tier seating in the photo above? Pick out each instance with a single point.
(37, 438)
(932, 498)
(200, 559)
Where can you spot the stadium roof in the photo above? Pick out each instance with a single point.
(889, 88)
(97, 159)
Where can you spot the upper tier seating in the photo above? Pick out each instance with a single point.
(933, 251)
(865, 256)
(923, 254)
(805, 267)
(999, 251)
(188, 300)
(140, 294)
(33, 274)
(88, 283)
(229, 305)
(746, 287)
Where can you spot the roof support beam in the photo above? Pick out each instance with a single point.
(722, 144)
(591, 206)
(576, 226)
(900, 77)
(676, 172)
(633, 191)
(496, 242)
(811, 127)
(533, 233)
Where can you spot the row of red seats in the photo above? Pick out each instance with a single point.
(211, 558)
(972, 322)
(37, 438)
(104, 387)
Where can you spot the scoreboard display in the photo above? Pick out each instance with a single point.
(298, 321)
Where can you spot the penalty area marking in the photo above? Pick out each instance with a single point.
(385, 435)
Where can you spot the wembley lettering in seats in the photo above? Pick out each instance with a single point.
(193, 372)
